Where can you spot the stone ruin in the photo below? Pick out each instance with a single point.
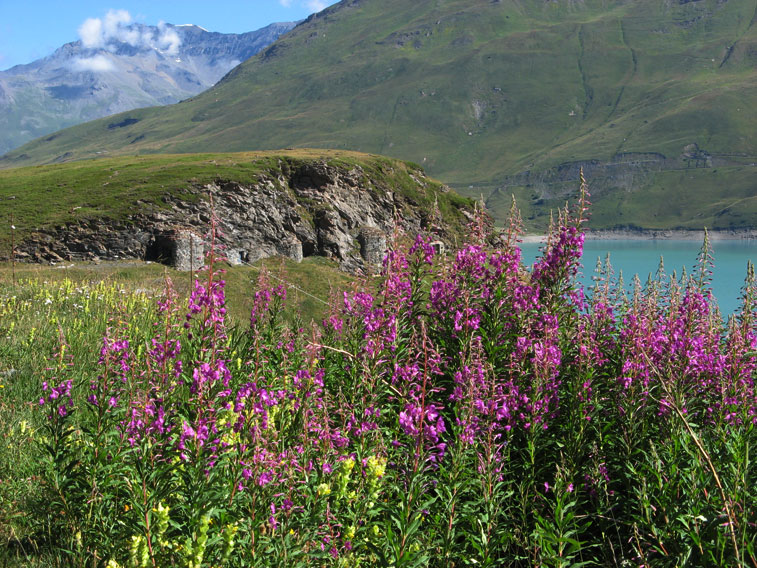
(438, 247)
(182, 249)
(291, 248)
(185, 250)
(372, 245)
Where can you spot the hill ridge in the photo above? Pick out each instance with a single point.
(486, 95)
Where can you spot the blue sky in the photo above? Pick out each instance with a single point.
(30, 29)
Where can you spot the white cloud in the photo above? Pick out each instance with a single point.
(168, 40)
(91, 33)
(116, 28)
(115, 25)
(98, 64)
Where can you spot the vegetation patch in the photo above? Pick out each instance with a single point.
(460, 410)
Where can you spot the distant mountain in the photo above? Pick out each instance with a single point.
(655, 99)
(140, 66)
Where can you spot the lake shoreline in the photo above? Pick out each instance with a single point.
(657, 234)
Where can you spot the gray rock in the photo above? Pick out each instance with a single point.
(315, 209)
(372, 245)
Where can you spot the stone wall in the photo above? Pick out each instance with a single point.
(291, 248)
(189, 251)
(372, 245)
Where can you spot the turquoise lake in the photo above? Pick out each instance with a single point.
(642, 257)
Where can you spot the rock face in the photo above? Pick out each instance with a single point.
(311, 209)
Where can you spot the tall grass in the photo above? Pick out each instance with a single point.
(464, 412)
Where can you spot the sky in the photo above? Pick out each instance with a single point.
(32, 29)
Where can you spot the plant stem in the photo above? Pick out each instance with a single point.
(703, 452)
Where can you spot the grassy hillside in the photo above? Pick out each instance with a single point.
(478, 91)
(54, 195)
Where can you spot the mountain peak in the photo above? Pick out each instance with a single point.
(495, 99)
(190, 26)
(136, 66)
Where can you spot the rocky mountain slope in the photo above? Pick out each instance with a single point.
(340, 205)
(137, 67)
(655, 100)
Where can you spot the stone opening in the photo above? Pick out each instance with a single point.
(438, 247)
(181, 249)
(309, 248)
(162, 249)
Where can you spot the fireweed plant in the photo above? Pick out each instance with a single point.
(464, 411)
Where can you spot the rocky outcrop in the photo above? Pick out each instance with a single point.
(312, 208)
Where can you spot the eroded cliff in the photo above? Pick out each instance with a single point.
(295, 208)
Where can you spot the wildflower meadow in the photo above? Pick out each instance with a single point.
(460, 410)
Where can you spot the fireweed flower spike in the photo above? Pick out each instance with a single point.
(430, 412)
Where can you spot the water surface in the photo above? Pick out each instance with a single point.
(642, 257)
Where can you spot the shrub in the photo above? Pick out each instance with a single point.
(468, 412)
